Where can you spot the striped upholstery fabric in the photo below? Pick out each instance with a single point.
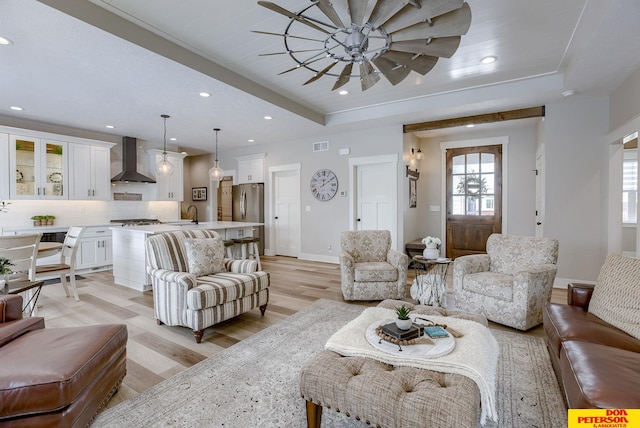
(221, 288)
(182, 299)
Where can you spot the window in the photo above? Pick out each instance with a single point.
(630, 186)
(473, 184)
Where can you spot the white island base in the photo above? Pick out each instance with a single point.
(129, 255)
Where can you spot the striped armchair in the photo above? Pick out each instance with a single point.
(187, 294)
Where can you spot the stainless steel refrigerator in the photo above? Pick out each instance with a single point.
(248, 205)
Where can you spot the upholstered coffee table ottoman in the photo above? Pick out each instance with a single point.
(382, 395)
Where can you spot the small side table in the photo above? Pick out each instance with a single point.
(17, 287)
(430, 285)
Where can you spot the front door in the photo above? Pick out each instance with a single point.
(474, 198)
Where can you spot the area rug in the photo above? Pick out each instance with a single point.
(255, 382)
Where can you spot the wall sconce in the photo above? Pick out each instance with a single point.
(416, 153)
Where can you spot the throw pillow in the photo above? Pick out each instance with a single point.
(205, 256)
(616, 295)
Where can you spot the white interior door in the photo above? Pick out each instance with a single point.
(286, 213)
(539, 194)
(376, 195)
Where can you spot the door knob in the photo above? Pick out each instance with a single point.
(276, 218)
(538, 223)
(357, 219)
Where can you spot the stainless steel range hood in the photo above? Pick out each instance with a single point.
(129, 172)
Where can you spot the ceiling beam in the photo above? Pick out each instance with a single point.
(101, 18)
(475, 120)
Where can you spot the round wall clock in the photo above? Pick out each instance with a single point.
(324, 184)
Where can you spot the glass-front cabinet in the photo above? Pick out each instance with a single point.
(40, 168)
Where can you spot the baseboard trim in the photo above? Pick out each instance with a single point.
(319, 258)
(563, 283)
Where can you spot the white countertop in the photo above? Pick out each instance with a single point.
(46, 229)
(206, 225)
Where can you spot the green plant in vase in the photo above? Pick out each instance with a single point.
(403, 322)
(37, 220)
(5, 271)
(48, 219)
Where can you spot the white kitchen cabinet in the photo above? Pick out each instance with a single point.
(90, 175)
(96, 249)
(251, 168)
(40, 167)
(4, 167)
(168, 187)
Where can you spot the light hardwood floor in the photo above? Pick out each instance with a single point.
(155, 353)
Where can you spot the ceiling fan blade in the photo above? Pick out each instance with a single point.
(283, 53)
(384, 10)
(344, 77)
(393, 72)
(357, 9)
(443, 47)
(274, 7)
(320, 73)
(327, 8)
(450, 24)
(368, 77)
(411, 15)
(300, 65)
(286, 35)
(419, 63)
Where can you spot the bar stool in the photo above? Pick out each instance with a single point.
(228, 246)
(249, 248)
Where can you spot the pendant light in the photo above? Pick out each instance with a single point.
(164, 167)
(216, 173)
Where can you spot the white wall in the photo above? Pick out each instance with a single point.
(322, 224)
(576, 188)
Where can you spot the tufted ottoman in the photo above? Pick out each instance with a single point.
(386, 396)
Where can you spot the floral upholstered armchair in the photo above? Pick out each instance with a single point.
(511, 283)
(370, 268)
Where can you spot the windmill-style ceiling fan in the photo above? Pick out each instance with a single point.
(388, 37)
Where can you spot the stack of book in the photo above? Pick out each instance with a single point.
(392, 330)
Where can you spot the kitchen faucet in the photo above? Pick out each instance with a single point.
(195, 217)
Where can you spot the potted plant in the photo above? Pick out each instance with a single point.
(403, 322)
(5, 271)
(49, 219)
(37, 220)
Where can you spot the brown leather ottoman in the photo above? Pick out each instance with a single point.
(386, 396)
(60, 376)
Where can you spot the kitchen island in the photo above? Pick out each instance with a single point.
(129, 256)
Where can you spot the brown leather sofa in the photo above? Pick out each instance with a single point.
(596, 364)
(56, 377)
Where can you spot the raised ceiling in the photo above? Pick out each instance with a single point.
(64, 70)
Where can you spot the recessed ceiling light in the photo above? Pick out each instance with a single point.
(251, 141)
(16, 108)
(184, 153)
(343, 92)
(5, 41)
(489, 59)
(110, 126)
(268, 118)
(173, 139)
(205, 94)
(471, 125)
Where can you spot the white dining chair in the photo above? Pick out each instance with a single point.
(22, 251)
(67, 265)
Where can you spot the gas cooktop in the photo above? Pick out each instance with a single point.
(137, 221)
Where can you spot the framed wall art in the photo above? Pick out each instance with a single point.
(413, 192)
(198, 193)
